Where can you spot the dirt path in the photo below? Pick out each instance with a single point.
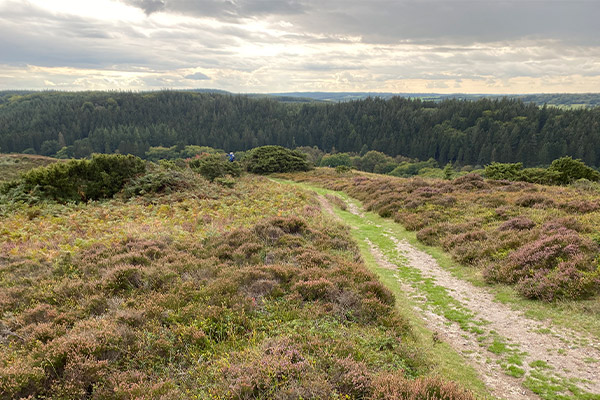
(562, 350)
(543, 352)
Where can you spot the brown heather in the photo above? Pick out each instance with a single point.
(541, 239)
(246, 294)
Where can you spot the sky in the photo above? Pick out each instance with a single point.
(267, 46)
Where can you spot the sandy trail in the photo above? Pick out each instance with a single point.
(564, 351)
(558, 349)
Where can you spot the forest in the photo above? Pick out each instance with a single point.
(459, 131)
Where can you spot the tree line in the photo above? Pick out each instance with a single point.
(458, 131)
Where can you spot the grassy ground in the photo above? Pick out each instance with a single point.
(203, 292)
(13, 165)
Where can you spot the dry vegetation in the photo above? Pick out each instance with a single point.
(542, 239)
(198, 291)
(13, 165)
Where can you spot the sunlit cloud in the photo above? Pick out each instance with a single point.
(274, 46)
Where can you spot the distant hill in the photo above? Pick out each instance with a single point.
(566, 100)
(13, 165)
(562, 100)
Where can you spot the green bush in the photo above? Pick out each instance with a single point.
(385, 167)
(508, 171)
(540, 175)
(571, 170)
(335, 160)
(370, 160)
(407, 169)
(214, 166)
(562, 171)
(270, 159)
(162, 180)
(78, 180)
(342, 169)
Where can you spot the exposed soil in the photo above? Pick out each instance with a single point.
(562, 350)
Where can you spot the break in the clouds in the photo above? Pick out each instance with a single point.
(476, 46)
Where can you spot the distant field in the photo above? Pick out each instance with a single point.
(13, 165)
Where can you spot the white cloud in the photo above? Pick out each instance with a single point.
(269, 45)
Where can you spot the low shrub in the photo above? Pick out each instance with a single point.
(158, 181)
(517, 224)
(215, 166)
(393, 386)
(559, 264)
(343, 169)
(271, 159)
(534, 200)
(78, 180)
(510, 172)
(570, 170)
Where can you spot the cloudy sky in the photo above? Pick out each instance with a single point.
(442, 46)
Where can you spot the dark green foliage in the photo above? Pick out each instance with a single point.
(449, 171)
(370, 160)
(159, 180)
(50, 147)
(270, 159)
(542, 176)
(169, 153)
(214, 166)
(562, 171)
(342, 169)
(510, 172)
(335, 160)
(457, 131)
(313, 154)
(385, 167)
(407, 169)
(77, 180)
(571, 170)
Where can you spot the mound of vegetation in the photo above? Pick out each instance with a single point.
(562, 171)
(541, 239)
(163, 179)
(271, 159)
(77, 180)
(213, 166)
(249, 294)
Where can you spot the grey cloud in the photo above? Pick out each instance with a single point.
(310, 42)
(452, 21)
(413, 21)
(231, 9)
(149, 6)
(199, 76)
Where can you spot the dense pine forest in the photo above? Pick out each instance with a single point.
(458, 131)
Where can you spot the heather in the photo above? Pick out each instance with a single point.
(182, 288)
(541, 239)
